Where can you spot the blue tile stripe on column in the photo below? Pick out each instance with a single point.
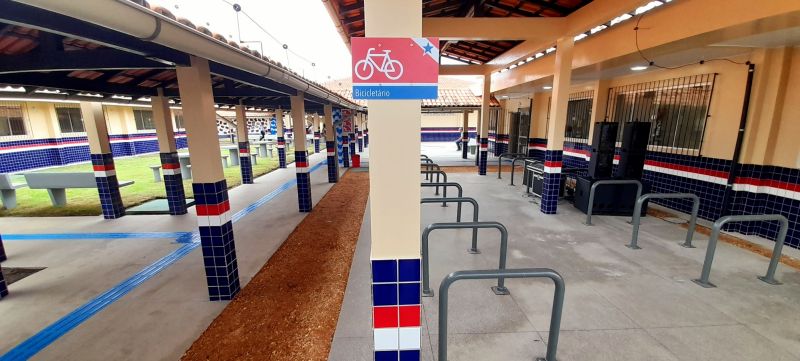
(54, 331)
(173, 183)
(245, 163)
(107, 185)
(333, 165)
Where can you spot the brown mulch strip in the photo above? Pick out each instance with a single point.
(732, 240)
(289, 310)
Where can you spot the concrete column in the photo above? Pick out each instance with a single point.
(351, 138)
(599, 104)
(394, 198)
(330, 145)
(102, 160)
(465, 135)
(210, 188)
(366, 132)
(347, 148)
(360, 132)
(501, 142)
(557, 125)
(337, 123)
(316, 131)
(300, 152)
(483, 137)
(245, 162)
(3, 285)
(281, 139)
(170, 167)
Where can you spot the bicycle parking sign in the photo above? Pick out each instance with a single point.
(395, 68)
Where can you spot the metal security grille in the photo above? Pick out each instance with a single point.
(678, 109)
(13, 119)
(70, 119)
(579, 115)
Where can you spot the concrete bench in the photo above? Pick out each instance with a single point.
(225, 161)
(254, 158)
(9, 191)
(57, 184)
(156, 173)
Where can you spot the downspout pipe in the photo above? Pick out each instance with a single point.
(130, 18)
(737, 151)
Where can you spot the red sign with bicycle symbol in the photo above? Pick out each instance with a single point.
(395, 68)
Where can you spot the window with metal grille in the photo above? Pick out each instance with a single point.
(12, 119)
(678, 109)
(579, 115)
(178, 115)
(70, 119)
(144, 119)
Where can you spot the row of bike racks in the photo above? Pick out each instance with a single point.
(513, 166)
(500, 161)
(438, 180)
(500, 274)
(715, 229)
(430, 167)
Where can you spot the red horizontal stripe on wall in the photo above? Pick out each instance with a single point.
(301, 164)
(103, 168)
(171, 166)
(212, 209)
(384, 317)
(552, 163)
(686, 168)
(768, 183)
(410, 316)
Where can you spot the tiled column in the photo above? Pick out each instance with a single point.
(210, 188)
(316, 133)
(366, 137)
(281, 140)
(557, 125)
(301, 154)
(394, 199)
(483, 137)
(170, 167)
(465, 136)
(3, 256)
(501, 138)
(102, 160)
(359, 133)
(478, 135)
(245, 162)
(330, 146)
(337, 123)
(346, 146)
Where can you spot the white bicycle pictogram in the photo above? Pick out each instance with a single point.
(365, 68)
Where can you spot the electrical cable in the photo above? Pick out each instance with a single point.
(653, 63)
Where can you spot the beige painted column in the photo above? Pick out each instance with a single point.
(316, 132)
(209, 185)
(245, 160)
(501, 142)
(483, 138)
(395, 191)
(330, 145)
(170, 165)
(105, 173)
(557, 124)
(599, 104)
(301, 163)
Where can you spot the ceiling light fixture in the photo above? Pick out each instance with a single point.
(639, 68)
(547, 87)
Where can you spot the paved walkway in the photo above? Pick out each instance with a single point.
(621, 304)
(160, 318)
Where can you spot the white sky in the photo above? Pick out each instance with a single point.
(304, 25)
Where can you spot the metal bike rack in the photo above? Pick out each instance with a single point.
(555, 316)
(500, 289)
(637, 215)
(776, 252)
(444, 186)
(430, 166)
(500, 161)
(607, 182)
(513, 166)
(424, 156)
(437, 172)
(475, 211)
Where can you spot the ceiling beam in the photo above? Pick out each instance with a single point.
(100, 60)
(462, 69)
(516, 28)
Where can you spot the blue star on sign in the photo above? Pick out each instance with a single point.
(427, 48)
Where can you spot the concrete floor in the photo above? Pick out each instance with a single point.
(157, 320)
(621, 304)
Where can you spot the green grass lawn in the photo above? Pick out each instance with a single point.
(85, 202)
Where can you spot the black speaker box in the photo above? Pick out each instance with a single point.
(635, 137)
(604, 140)
(609, 199)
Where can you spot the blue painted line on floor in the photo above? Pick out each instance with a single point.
(178, 236)
(54, 331)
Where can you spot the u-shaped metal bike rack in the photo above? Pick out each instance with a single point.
(608, 182)
(555, 316)
(437, 172)
(776, 251)
(430, 166)
(500, 289)
(444, 186)
(513, 166)
(475, 210)
(500, 161)
(637, 215)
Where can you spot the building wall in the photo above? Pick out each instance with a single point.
(769, 180)
(45, 145)
(444, 126)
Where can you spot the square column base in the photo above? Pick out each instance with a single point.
(552, 181)
(105, 175)
(173, 183)
(333, 166)
(216, 240)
